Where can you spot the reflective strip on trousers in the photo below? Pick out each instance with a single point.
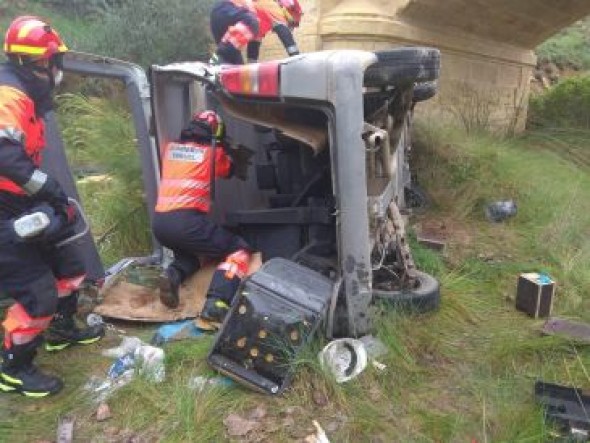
(20, 327)
(13, 134)
(65, 286)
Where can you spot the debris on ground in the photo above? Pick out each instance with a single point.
(103, 412)
(100, 389)
(282, 303)
(128, 345)
(319, 398)
(200, 382)
(176, 331)
(436, 244)
(65, 430)
(500, 210)
(134, 357)
(375, 347)
(379, 366)
(319, 436)
(534, 294)
(567, 407)
(344, 358)
(563, 327)
(238, 426)
(133, 353)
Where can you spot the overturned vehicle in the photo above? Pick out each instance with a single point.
(329, 178)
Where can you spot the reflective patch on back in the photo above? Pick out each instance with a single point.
(186, 153)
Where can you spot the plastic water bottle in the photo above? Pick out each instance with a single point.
(121, 365)
(150, 360)
(500, 210)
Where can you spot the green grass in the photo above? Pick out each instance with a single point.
(98, 134)
(466, 372)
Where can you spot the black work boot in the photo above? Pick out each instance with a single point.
(64, 332)
(169, 284)
(20, 375)
(214, 310)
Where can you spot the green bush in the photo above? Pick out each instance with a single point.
(567, 105)
(155, 31)
(82, 7)
(144, 32)
(569, 47)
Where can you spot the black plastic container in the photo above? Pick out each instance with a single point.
(275, 314)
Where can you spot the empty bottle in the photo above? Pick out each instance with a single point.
(500, 210)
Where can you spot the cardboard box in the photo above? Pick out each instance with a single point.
(534, 294)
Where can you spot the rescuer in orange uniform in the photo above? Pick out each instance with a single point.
(43, 279)
(181, 222)
(236, 24)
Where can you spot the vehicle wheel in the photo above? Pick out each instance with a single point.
(425, 297)
(403, 65)
(425, 91)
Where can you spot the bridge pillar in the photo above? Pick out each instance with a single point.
(484, 79)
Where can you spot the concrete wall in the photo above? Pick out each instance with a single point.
(486, 45)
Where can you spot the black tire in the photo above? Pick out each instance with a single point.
(424, 298)
(403, 66)
(425, 91)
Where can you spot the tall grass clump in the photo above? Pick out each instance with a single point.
(99, 137)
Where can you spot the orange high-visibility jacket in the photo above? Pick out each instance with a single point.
(186, 175)
(268, 14)
(20, 126)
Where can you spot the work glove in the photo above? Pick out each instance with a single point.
(240, 157)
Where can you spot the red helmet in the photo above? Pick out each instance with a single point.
(213, 121)
(34, 38)
(292, 10)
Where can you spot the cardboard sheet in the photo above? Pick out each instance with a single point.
(130, 301)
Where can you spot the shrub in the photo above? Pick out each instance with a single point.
(567, 105)
(569, 47)
(155, 31)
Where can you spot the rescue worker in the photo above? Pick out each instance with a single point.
(181, 222)
(236, 24)
(42, 279)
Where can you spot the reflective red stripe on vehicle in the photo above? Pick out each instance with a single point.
(258, 79)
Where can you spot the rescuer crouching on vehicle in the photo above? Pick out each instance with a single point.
(181, 222)
(239, 24)
(42, 278)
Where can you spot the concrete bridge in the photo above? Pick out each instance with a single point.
(487, 45)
